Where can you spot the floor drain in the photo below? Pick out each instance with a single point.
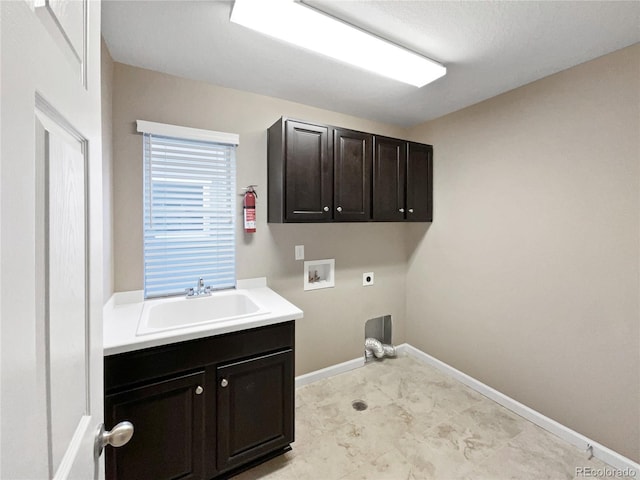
(359, 405)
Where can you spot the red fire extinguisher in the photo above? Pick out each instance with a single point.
(249, 205)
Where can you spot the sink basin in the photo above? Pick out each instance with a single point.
(179, 312)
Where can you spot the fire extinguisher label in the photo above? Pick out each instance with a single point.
(249, 218)
(249, 205)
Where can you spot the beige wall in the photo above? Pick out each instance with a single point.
(528, 279)
(333, 328)
(106, 76)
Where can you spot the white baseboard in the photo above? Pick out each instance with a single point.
(599, 451)
(620, 462)
(329, 371)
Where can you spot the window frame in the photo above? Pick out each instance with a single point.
(214, 242)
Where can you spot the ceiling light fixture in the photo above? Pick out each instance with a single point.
(303, 26)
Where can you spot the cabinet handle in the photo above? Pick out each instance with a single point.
(224, 382)
(326, 209)
(411, 210)
(199, 390)
(339, 209)
(401, 210)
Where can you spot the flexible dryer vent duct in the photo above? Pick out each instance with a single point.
(379, 349)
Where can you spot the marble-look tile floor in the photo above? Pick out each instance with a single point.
(419, 424)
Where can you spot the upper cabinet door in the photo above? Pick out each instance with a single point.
(353, 158)
(389, 177)
(308, 173)
(419, 207)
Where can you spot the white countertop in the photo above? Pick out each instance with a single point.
(122, 314)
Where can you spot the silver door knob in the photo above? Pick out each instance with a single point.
(401, 210)
(199, 390)
(339, 209)
(224, 382)
(326, 209)
(411, 210)
(116, 437)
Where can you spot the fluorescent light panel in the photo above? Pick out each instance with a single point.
(292, 22)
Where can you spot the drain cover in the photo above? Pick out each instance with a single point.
(359, 405)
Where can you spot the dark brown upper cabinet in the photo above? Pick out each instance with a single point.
(300, 172)
(320, 173)
(389, 179)
(402, 181)
(352, 175)
(419, 206)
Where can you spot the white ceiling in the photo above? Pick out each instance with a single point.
(488, 48)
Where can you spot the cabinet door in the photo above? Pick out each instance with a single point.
(255, 408)
(419, 182)
(308, 173)
(389, 177)
(168, 422)
(352, 165)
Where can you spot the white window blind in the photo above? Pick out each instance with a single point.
(189, 214)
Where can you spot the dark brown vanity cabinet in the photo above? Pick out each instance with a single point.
(402, 181)
(202, 409)
(320, 173)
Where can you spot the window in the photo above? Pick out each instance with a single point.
(189, 208)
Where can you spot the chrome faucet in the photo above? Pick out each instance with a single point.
(201, 290)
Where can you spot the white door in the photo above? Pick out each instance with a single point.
(50, 239)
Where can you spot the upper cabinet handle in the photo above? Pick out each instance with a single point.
(326, 209)
(401, 210)
(339, 209)
(411, 210)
